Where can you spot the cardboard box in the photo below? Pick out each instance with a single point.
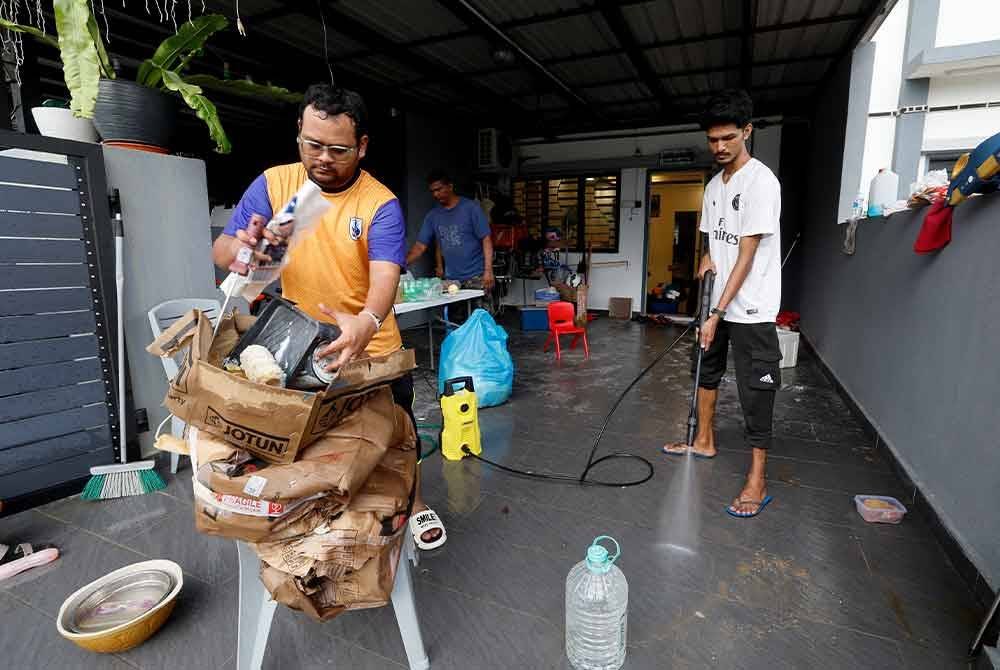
(620, 308)
(337, 464)
(323, 598)
(272, 423)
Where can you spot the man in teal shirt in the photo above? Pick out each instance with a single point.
(462, 233)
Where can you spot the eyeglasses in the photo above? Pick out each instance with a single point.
(338, 152)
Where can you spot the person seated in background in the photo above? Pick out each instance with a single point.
(462, 233)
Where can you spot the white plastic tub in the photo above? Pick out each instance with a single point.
(788, 342)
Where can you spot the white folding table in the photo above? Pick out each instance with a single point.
(428, 306)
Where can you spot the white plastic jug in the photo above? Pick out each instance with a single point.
(883, 191)
(596, 607)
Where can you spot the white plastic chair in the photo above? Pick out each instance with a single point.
(257, 610)
(162, 317)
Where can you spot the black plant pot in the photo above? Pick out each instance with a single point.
(128, 112)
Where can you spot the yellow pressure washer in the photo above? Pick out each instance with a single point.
(460, 435)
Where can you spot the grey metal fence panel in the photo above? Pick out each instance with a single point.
(27, 405)
(31, 224)
(44, 251)
(17, 303)
(37, 173)
(43, 276)
(26, 431)
(41, 352)
(26, 482)
(46, 200)
(58, 398)
(40, 326)
(38, 377)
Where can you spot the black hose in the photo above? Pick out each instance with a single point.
(591, 462)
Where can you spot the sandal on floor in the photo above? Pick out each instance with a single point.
(15, 559)
(420, 523)
(761, 504)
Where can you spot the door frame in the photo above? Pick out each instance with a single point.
(702, 179)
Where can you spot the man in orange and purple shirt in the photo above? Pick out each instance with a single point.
(346, 270)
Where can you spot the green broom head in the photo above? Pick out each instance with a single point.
(120, 481)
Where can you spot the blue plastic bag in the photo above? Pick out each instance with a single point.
(478, 349)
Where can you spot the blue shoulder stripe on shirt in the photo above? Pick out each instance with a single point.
(254, 201)
(387, 234)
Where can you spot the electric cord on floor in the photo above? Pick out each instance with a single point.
(591, 462)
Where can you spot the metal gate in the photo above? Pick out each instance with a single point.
(58, 400)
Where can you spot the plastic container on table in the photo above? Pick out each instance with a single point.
(880, 509)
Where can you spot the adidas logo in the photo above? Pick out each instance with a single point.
(767, 379)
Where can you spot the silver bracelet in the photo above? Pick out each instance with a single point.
(378, 322)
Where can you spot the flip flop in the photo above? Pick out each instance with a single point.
(690, 450)
(420, 523)
(15, 559)
(761, 504)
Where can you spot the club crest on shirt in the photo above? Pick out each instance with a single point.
(736, 202)
(354, 228)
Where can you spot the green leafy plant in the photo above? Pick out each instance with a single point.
(85, 62)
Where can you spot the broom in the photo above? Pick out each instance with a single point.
(124, 479)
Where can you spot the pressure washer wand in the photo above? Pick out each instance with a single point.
(704, 307)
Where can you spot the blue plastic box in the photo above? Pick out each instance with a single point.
(534, 318)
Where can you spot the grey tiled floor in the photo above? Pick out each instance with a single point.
(805, 585)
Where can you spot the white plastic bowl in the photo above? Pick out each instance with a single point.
(59, 122)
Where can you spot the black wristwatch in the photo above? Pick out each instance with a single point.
(721, 313)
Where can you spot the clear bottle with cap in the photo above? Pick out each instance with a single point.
(596, 610)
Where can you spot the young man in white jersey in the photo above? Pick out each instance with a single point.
(739, 219)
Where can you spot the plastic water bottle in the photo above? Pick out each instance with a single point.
(858, 206)
(596, 610)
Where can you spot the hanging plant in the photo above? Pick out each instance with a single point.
(85, 63)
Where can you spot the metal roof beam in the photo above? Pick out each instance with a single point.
(615, 18)
(700, 94)
(468, 13)
(680, 41)
(349, 26)
(618, 81)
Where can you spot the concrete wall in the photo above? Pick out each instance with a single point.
(966, 21)
(913, 339)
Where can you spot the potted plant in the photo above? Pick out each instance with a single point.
(140, 112)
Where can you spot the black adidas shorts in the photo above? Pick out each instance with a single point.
(756, 355)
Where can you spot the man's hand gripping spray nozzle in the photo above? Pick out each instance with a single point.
(704, 309)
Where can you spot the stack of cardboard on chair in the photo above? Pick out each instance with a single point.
(320, 484)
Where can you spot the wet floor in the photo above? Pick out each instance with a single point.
(807, 584)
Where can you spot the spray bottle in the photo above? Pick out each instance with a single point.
(247, 277)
